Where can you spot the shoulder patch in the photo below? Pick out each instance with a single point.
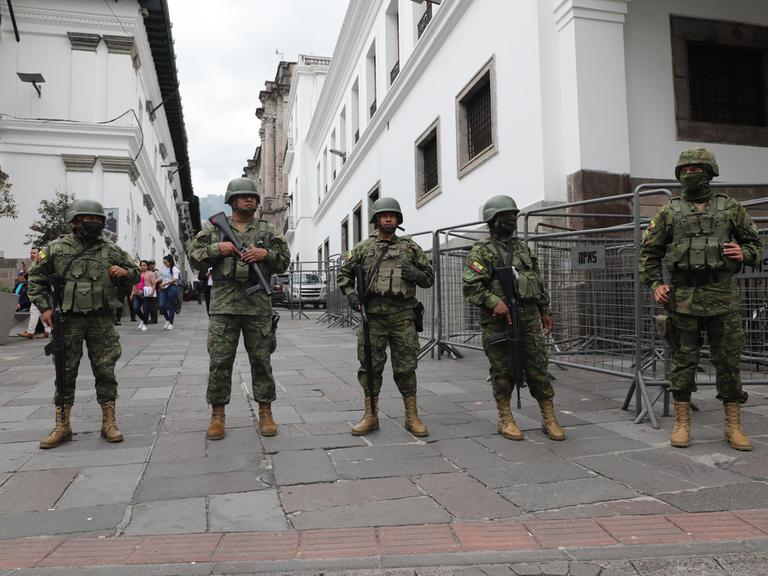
(477, 267)
(41, 254)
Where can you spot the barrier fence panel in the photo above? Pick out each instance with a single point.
(604, 317)
(303, 286)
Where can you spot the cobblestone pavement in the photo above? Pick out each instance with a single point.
(316, 497)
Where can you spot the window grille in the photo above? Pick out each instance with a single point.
(727, 84)
(479, 121)
(429, 158)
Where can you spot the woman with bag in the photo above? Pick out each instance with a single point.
(169, 291)
(141, 294)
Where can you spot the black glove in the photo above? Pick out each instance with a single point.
(354, 301)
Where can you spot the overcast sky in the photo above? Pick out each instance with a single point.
(225, 51)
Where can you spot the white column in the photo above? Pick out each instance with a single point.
(595, 132)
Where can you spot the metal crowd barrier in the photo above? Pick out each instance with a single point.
(604, 316)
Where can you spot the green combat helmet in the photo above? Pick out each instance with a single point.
(698, 157)
(386, 205)
(83, 208)
(496, 205)
(241, 187)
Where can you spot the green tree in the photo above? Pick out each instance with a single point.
(53, 219)
(7, 201)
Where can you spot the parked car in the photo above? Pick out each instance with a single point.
(279, 287)
(305, 288)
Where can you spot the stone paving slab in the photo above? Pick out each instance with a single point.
(533, 497)
(201, 485)
(465, 498)
(302, 467)
(345, 493)
(102, 485)
(246, 512)
(35, 491)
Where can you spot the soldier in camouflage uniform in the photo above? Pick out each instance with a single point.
(482, 288)
(393, 267)
(94, 270)
(705, 238)
(233, 311)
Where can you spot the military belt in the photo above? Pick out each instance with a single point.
(699, 279)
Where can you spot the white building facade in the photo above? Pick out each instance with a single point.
(106, 125)
(443, 106)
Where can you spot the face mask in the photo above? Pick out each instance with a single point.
(505, 228)
(696, 186)
(91, 230)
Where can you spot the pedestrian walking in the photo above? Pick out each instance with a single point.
(393, 266)
(92, 269)
(154, 307)
(169, 290)
(482, 286)
(142, 293)
(234, 311)
(704, 237)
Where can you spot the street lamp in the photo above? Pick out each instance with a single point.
(34, 78)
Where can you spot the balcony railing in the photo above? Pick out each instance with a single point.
(373, 108)
(425, 20)
(394, 72)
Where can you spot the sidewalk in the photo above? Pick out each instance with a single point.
(316, 497)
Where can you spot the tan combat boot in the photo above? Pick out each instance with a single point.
(62, 432)
(681, 431)
(549, 424)
(267, 426)
(109, 424)
(507, 425)
(413, 423)
(216, 430)
(733, 432)
(369, 421)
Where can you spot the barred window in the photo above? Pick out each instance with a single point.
(721, 81)
(727, 84)
(476, 120)
(479, 130)
(428, 164)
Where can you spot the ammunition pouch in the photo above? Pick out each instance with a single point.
(665, 328)
(418, 316)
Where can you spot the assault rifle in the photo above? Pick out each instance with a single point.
(507, 276)
(369, 376)
(56, 345)
(220, 221)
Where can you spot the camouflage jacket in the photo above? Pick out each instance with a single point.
(691, 295)
(389, 292)
(87, 287)
(482, 288)
(231, 275)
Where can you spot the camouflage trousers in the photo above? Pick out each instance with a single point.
(103, 343)
(399, 331)
(533, 352)
(726, 340)
(260, 341)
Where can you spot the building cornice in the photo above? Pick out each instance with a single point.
(437, 32)
(119, 164)
(78, 162)
(84, 41)
(65, 19)
(603, 10)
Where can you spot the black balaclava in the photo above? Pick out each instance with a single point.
(696, 186)
(91, 231)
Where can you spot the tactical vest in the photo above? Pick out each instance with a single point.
(388, 280)
(87, 284)
(529, 287)
(698, 237)
(232, 268)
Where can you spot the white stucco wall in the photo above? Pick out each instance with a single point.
(653, 140)
(85, 89)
